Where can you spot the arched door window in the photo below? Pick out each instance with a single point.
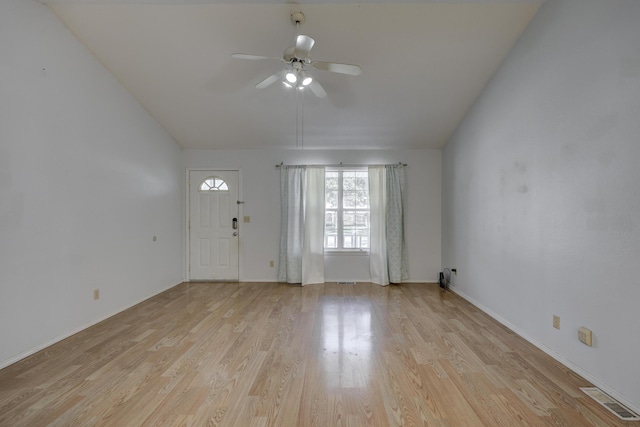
(214, 183)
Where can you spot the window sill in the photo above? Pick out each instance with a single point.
(339, 252)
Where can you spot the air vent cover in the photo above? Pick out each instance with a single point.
(610, 403)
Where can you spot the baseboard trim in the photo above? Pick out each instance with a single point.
(426, 282)
(557, 356)
(33, 350)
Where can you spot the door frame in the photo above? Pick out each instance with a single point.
(187, 211)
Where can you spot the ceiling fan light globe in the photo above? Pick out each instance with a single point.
(291, 77)
(306, 81)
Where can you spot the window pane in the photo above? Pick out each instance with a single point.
(331, 229)
(331, 241)
(331, 180)
(349, 230)
(349, 200)
(207, 185)
(349, 242)
(331, 199)
(331, 220)
(349, 181)
(355, 229)
(362, 181)
(361, 199)
(362, 220)
(349, 219)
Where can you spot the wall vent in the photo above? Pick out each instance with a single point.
(610, 403)
(346, 283)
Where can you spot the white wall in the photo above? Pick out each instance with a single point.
(261, 194)
(87, 178)
(541, 202)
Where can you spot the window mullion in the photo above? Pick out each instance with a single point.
(340, 211)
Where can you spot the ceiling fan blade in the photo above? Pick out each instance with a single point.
(247, 56)
(270, 80)
(317, 89)
(303, 46)
(352, 70)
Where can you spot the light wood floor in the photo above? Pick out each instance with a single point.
(266, 354)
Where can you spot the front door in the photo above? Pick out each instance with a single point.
(213, 225)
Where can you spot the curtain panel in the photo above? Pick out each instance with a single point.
(395, 230)
(301, 225)
(387, 254)
(292, 186)
(377, 239)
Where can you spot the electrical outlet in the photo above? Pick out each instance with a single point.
(584, 335)
(271, 264)
(96, 294)
(556, 321)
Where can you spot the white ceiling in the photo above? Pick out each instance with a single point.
(423, 65)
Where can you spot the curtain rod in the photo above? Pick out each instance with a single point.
(341, 165)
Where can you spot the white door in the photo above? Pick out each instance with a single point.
(213, 225)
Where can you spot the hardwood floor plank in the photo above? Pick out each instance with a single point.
(272, 354)
(511, 406)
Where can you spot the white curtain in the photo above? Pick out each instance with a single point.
(301, 225)
(387, 254)
(292, 187)
(313, 249)
(377, 240)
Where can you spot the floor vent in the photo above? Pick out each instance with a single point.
(346, 283)
(610, 403)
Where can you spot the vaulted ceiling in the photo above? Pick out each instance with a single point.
(423, 65)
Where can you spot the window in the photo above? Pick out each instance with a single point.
(214, 183)
(346, 209)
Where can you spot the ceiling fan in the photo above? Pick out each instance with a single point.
(296, 73)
